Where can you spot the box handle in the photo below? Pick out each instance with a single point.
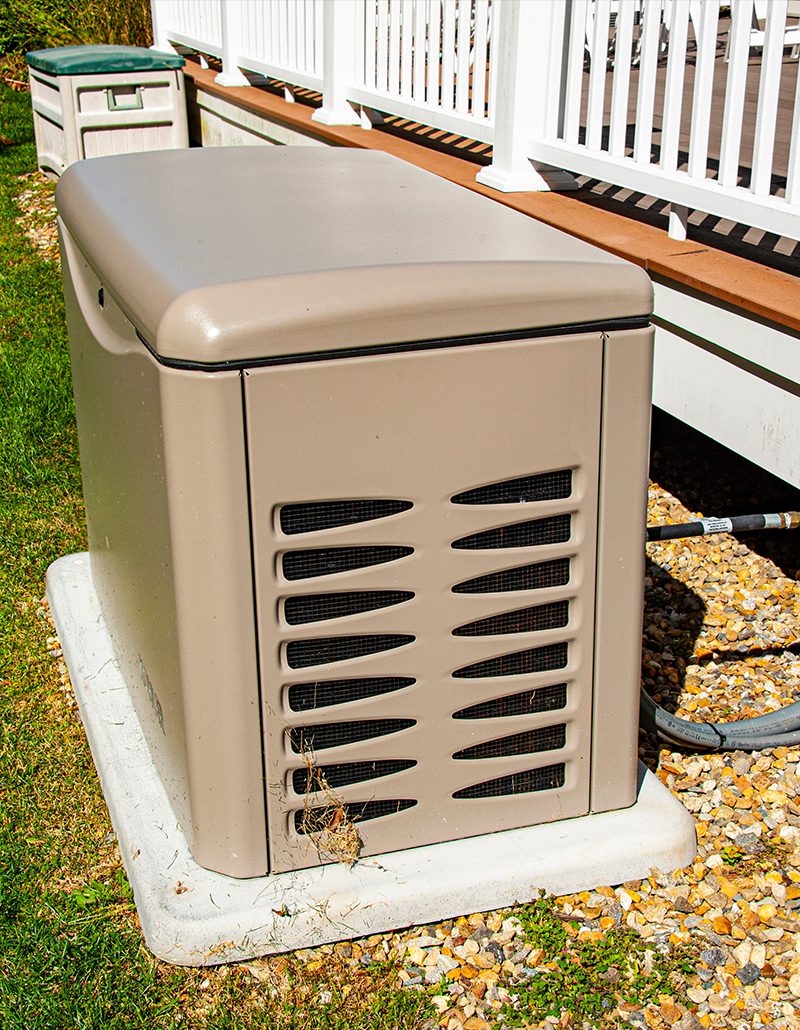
(124, 101)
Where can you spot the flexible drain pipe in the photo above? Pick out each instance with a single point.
(775, 729)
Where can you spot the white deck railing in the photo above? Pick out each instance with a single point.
(659, 96)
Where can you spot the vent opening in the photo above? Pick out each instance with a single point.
(525, 620)
(528, 702)
(315, 516)
(519, 663)
(318, 820)
(546, 738)
(545, 486)
(306, 697)
(328, 561)
(551, 777)
(325, 650)
(307, 739)
(318, 607)
(341, 774)
(540, 576)
(537, 533)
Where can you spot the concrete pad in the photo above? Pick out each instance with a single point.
(192, 916)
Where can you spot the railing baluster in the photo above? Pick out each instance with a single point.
(793, 172)
(574, 85)
(448, 54)
(406, 49)
(434, 77)
(738, 54)
(648, 67)
(382, 70)
(769, 85)
(673, 94)
(478, 105)
(394, 46)
(621, 82)
(703, 92)
(420, 51)
(463, 56)
(597, 74)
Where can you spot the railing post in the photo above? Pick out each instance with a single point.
(338, 63)
(526, 55)
(158, 12)
(231, 18)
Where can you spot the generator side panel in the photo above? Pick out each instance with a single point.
(164, 472)
(622, 522)
(425, 533)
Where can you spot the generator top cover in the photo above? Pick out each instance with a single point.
(100, 59)
(237, 254)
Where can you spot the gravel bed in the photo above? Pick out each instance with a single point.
(721, 634)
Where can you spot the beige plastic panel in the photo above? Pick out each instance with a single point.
(163, 463)
(422, 427)
(312, 249)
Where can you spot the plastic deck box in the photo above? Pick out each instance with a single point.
(94, 101)
(365, 466)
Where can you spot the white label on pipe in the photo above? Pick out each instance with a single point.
(716, 525)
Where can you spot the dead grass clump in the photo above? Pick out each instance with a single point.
(326, 821)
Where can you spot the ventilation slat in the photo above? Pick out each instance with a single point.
(319, 777)
(306, 739)
(300, 610)
(539, 576)
(316, 516)
(320, 820)
(546, 738)
(537, 533)
(551, 777)
(544, 486)
(324, 650)
(528, 702)
(525, 620)
(519, 663)
(306, 697)
(328, 561)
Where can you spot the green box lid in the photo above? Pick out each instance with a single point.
(94, 60)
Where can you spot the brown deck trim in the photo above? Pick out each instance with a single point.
(764, 292)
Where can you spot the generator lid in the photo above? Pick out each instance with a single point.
(238, 254)
(97, 60)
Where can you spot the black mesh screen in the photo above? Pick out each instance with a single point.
(318, 820)
(305, 739)
(318, 515)
(546, 486)
(327, 561)
(551, 777)
(318, 607)
(318, 777)
(546, 738)
(536, 659)
(324, 650)
(305, 697)
(539, 576)
(553, 530)
(526, 620)
(528, 702)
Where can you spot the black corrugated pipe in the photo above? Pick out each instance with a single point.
(775, 729)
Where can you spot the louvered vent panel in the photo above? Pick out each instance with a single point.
(536, 533)
(315, 516)
(526, 620)
(328, 561)
(318, 607)
(528, 702)
(341, 774)
(320, 820)
(547, 738)
(300, 654)
(305, 739)
(544, 486)
(518, 663)
(551, 777)
(305, 697)
(539, 576)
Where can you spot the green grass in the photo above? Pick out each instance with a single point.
(590, 978)
(71, 953)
